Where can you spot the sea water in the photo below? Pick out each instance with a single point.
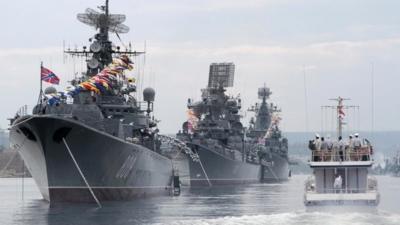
(282, 203)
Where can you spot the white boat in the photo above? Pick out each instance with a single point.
(350, 162)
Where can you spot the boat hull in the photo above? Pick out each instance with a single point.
(329, 199)
(113, 168)
(276, 170)
(221, 170)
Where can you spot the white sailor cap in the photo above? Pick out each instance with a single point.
(316, 135)
(356, 134)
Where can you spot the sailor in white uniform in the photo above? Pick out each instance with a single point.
(349, 147)
(338, 150)
(337, 185)
(356, 142)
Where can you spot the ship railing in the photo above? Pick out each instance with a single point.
(335, 155)
(22, 111)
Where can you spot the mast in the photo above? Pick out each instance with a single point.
(41, 85)
(340, 107)
(101, 51)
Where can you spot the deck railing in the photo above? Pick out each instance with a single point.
(22, 111)
(336, 155)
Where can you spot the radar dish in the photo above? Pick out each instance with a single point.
(95, 47)
(91, 17)
(91, 11)
(120, 28)
(111, 22)
(93, 63)
(116, 18)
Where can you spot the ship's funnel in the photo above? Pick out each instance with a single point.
(149, 94)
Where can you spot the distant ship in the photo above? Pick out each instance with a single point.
(264, 129)
(215, 133)
(96, 141)
(392, 165)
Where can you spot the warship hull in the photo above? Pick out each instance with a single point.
(276, 170)
(114, 169)
(216, 169)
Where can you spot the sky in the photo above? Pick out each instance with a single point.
(305, 51)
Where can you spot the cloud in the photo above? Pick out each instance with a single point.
(318, 48)
(190, 6)
(12, 52)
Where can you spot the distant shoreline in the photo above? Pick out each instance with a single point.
(12, 165)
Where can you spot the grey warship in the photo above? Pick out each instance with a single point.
(97, 142)
(215, 133)
(264, 129)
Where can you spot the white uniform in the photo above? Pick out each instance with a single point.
(337, 185)
(317, 143)
(350, 143)
(329, 143)
(324, 145)
(338, 147)
(357, 142)
(341, 145)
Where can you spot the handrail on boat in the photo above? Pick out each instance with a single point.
(334, 155)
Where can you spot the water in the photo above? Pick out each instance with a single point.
(255, 204)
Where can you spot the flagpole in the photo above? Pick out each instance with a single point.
(41, 85)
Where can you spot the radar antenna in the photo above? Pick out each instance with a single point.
(264, 93)
(339, 108)
(101, 50)
(104, 21)
(221, 75)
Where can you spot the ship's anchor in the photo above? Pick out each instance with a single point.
(81, 173)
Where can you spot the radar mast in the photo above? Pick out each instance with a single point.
(101, 50)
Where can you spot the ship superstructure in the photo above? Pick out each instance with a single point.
(214, 131)
(96, 141)
(340, 169)
(264, 129)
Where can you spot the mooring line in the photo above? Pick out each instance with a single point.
(204, 171)
(273, 174)
(81, 173)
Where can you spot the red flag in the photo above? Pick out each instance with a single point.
(48, 76)
(341, 112)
